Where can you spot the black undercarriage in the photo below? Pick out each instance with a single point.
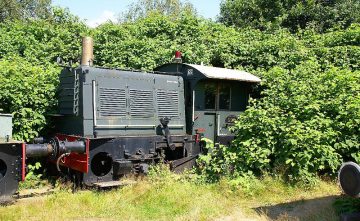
(113, 158)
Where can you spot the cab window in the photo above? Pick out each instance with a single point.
(210, 96)
(224, 97)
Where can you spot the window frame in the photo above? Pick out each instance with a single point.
(217, 85)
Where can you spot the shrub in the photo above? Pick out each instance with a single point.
(28, 92)
(305, 124)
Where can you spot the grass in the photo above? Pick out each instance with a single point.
(172, 197)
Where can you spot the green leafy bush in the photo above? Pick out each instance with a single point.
(33, 178)
(28, 92)
(28, 74)
(295, 15)
(306, 123)
(42, 41)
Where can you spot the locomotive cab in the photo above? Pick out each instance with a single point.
(215, 97)
(217, 104)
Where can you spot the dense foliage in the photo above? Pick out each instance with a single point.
(306, 121)
(28, 92)
(24, 9)
(145, 8)
(293, 14)
(28, 73)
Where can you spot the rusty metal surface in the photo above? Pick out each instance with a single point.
(87, 57)
(180, 165)
(11, 141)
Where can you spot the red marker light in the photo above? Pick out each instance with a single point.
(177, 58)
(177, 54)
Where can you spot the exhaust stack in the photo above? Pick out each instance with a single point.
(87, 56)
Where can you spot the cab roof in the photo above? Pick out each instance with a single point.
(210, 72)
(224, 73)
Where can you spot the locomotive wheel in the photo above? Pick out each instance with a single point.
(349, 177)
(101, 164)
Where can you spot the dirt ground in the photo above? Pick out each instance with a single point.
(318, 209)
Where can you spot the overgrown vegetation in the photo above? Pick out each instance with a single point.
(153, 198)
(305, 123)
(145, 8)
(24, 9)
(28, 92)
(321, 15)
(28, 73)
(34, 177)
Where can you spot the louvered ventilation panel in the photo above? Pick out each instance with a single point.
(112, 102)
(168, 103)
(141, 103)
(69, 94)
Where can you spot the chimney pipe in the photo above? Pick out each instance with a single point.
(87, 56)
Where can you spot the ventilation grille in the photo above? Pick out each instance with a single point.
(112, 102)
(69, 94)
(141, 103)
(168, 103)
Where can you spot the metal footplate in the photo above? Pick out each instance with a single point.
(179, 166)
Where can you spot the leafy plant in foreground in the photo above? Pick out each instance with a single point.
(306, 123)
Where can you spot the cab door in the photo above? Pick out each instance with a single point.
(206, 125)
(205, 117)
(212, 107)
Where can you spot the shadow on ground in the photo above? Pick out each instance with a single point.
(310, 210)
